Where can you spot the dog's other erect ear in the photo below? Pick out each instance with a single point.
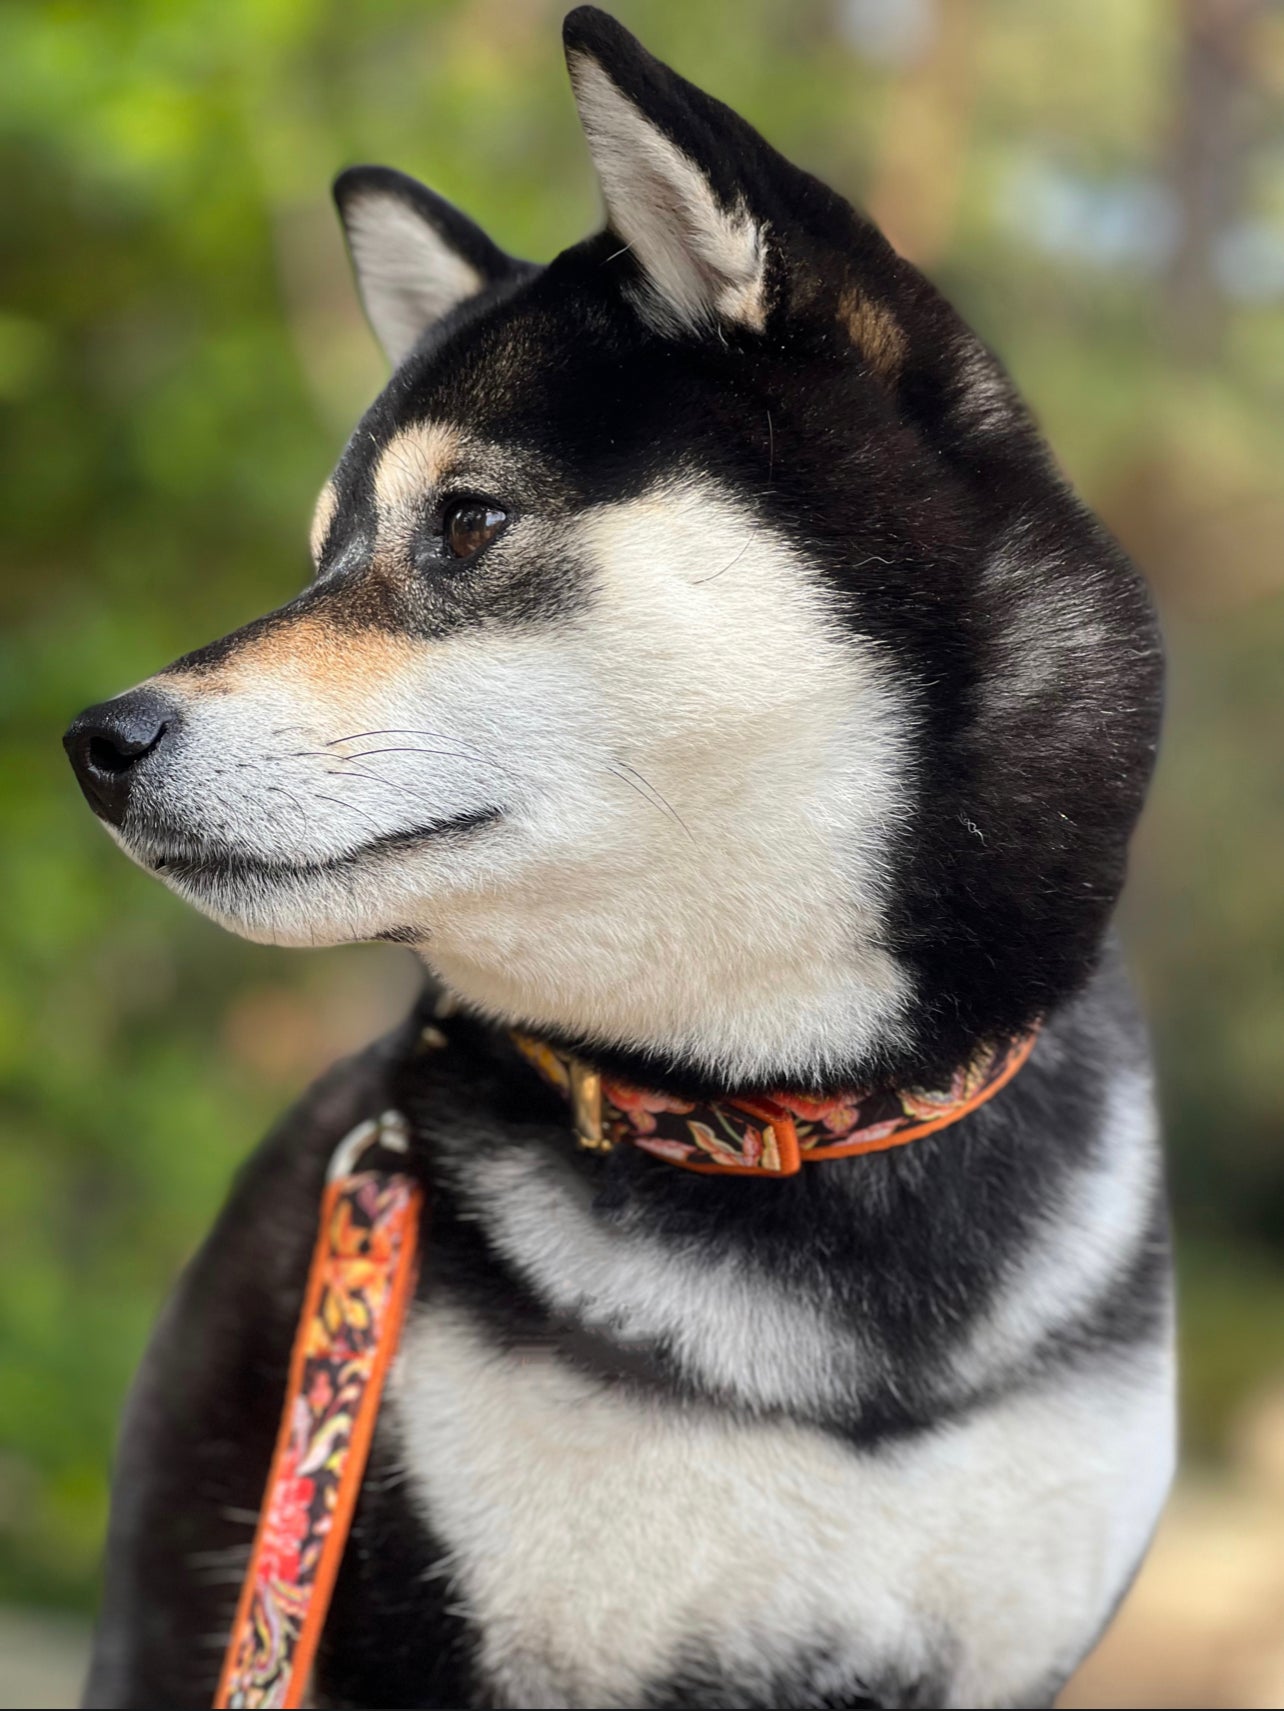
(668, 159)
(415, 256)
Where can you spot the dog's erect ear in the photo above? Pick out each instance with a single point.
(415, 256)
(668, 159)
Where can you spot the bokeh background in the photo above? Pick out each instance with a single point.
(1099, 184)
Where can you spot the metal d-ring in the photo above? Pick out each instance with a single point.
(390, 1130)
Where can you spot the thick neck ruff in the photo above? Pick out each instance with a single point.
(766, 1136)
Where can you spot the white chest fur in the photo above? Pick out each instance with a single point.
(599, 1539)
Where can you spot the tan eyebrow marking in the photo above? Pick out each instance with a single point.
(322, 517)
(412, 462)
(874, 331)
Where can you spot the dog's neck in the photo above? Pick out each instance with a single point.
(709, 989)
(742, 956)
(760, 1025)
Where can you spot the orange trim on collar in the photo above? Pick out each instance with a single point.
(768, 1136)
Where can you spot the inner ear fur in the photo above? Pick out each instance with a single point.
(724, 231)
(655, 142)
(415, 256)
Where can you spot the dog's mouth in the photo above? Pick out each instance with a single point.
(198, 862)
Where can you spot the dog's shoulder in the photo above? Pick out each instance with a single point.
(203, 1412)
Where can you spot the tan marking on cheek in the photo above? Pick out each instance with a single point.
(322, 517)
(874, 331)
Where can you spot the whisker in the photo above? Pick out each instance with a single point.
(389, 731)
(700, 581)
(398, 790)
(647, 791)
(765, 494)
(364, 754)
(348, 807)
(305, 825)
(413, 749)
(412, 731)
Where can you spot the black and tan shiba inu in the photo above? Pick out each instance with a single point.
(707, 670)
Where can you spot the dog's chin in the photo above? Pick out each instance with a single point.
(355, 896)
(302, 909)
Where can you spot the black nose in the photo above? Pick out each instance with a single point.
(106, 743)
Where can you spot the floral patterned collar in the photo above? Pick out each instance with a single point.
(765, 1136)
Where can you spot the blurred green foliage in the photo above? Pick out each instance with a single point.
(180, 359)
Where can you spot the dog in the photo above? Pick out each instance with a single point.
(709, 673)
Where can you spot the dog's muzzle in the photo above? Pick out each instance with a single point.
(108, 746)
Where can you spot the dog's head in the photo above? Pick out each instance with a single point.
(703, 657)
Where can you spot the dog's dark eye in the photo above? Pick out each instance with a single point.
(467, 525)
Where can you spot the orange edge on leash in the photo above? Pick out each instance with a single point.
(355, 1466)
(357, 1454)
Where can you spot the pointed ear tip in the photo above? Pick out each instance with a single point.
(343, 184)
(364, 183)
(354, 180)
(587, 27)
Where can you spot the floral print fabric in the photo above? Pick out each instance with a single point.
(362, 1272)
(775, 1136)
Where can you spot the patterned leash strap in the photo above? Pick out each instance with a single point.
(361, 1279)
